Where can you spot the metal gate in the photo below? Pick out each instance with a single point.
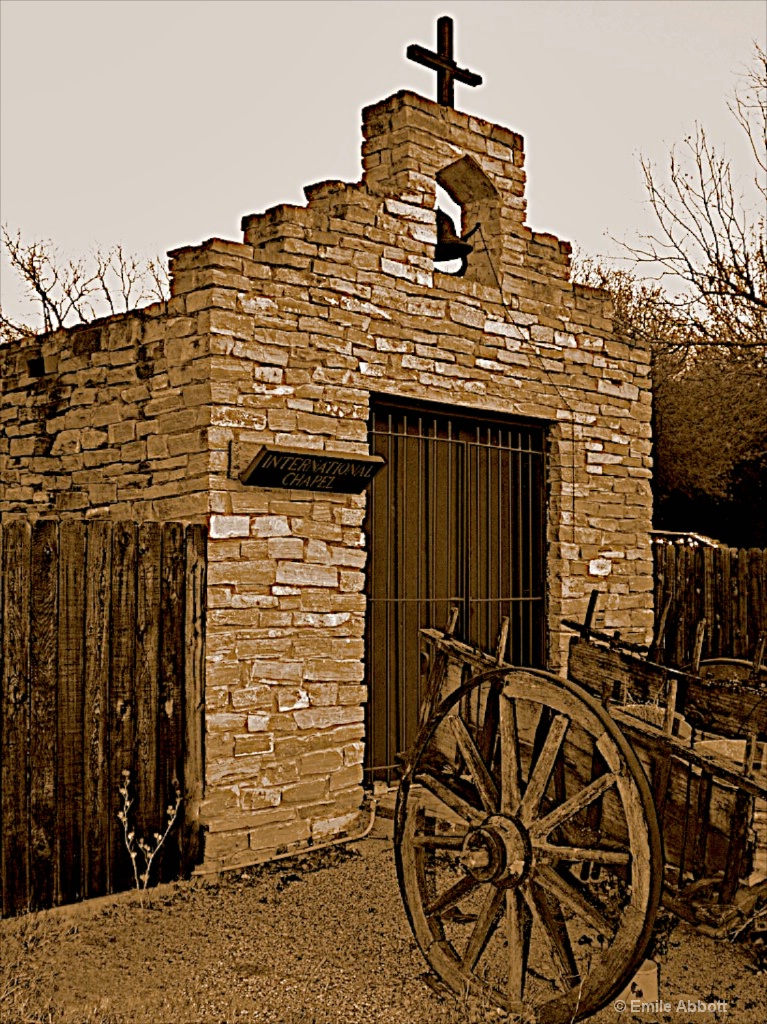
(457, 518)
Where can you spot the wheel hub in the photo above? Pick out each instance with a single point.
(498, 851)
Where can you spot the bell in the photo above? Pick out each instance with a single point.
(450, 245)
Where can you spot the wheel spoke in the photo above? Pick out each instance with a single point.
(438, 842)
(595, 854)
(483, 928)
(554, 929)
(518, 929)
(561, 890)
(511, 793)
(541, 773)
(571, 807)
(450, 798)
(486, 787)
(451, 896)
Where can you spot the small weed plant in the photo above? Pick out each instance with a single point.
(137, 846)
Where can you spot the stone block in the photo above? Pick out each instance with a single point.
(323, 694)
(354, 753)
(220, 845)
(271, 526)
(259, 743)
(324, 828)
(278, 670)
(346, 777)
(291, 698)
(224, 722)
(309, 792)
(302, 573)
(326, 718)
(290, 548)
(321, 762)
(278, 835)
(257, 798)
(228, 526)
(328, 669)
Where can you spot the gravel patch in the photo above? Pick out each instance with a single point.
(321, 939)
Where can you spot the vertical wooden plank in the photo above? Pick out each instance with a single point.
(734, 871)
(96, 798)
(170, 771)
(2, 692)
(145, 766)
(701, 824)
(733, 604)
(122, 698)
(43, 712)
(725, 603)
(691, 602)
(15, 717)
(716, 583)
(195, 601)
(680, 618)
(665, 648)
(755, 600)
(71, 641)
(763, 591)
(657, 575)
(699, 584)
(742, 606)
(709, 605)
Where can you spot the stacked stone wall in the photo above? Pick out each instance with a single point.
(109, 419)
(285, 338)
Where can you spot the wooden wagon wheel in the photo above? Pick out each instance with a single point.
(527, 847)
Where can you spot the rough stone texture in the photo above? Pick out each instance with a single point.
(282, 338)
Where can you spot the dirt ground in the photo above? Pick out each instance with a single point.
(320, 940)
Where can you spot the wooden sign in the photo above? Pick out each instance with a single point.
(301, 469)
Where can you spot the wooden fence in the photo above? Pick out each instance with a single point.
(725, 586)
(101, 671)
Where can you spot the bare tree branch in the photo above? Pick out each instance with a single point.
(66, 291)
(707, 242)
(749, 106)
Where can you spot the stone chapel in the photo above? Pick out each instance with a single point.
(511, 427)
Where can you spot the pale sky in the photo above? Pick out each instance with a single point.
(159, 123)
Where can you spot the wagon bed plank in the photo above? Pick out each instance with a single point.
(718, 706)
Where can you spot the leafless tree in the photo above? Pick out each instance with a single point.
(70, 291)
(709, 407)
(707, 240)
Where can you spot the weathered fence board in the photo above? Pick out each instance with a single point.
(102, 631)
(170, 768)
(71, 649)
(122, 734)
(147, 660)
(15, 718)
(194, 695)
(726, 586)
(96, 824)
(42, 752)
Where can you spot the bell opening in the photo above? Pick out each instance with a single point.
(451, 253)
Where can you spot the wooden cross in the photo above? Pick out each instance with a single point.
(442, 62)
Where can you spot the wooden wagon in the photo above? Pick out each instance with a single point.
(541, 820)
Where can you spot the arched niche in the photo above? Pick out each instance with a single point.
(473, 191)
